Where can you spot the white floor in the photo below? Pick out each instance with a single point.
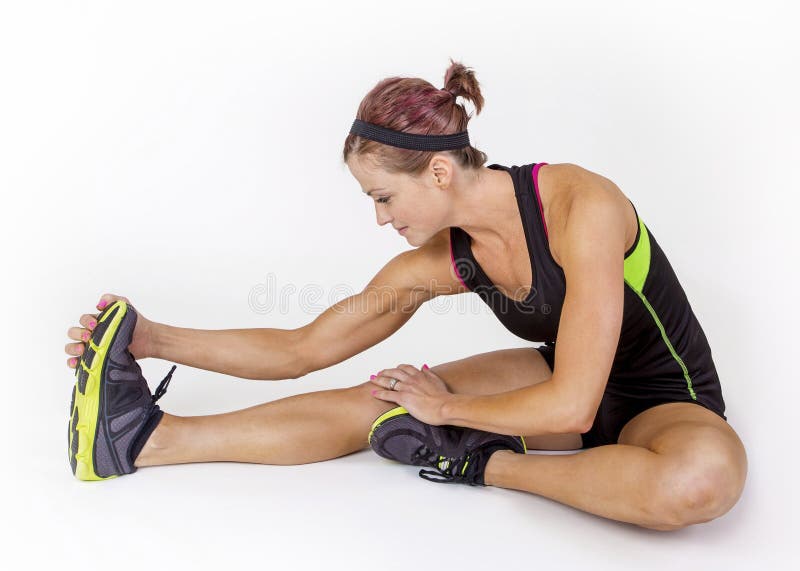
(188, 155)
(352, 513)
(355, 512)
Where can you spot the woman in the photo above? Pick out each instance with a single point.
(560, 255)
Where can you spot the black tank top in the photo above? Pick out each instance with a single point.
(536, 317)
(661, 340)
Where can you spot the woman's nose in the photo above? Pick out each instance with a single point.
(381, 217)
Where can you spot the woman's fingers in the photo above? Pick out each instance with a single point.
(107, 298)
(389, 396)
(410, 370)
(75, 349)
(79, 334)
(403, 373)
(88, 320)
(388, 374)
(382, 381)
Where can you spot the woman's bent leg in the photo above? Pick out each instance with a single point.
(300, 429)
(675, 465)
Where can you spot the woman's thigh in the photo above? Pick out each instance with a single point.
(501, 371)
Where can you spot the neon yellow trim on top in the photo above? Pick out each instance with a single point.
(637, 264)
(637, 267)
(669, 344)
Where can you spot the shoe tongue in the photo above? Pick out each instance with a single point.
(451, 439)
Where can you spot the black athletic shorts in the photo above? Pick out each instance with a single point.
(622, 400)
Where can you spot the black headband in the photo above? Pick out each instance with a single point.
(409, 140)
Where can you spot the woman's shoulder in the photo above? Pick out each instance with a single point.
(569, 178)
(571, 187)
(431, 266)
(563, 178)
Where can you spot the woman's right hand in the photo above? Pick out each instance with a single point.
(141, 342)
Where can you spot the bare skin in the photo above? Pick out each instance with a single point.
(655, 477)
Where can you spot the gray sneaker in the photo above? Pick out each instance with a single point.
(112, 411)
(456, 454)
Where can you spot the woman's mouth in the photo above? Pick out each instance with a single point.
(403, 230)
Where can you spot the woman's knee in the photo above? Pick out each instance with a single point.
(700, 487)
(361, 397)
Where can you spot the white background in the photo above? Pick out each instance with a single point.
(181, 153)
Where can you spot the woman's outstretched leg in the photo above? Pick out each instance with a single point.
(327, 424)
(299, 429)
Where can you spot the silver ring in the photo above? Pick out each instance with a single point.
(392, 383)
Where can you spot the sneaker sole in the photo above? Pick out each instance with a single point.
(87, 393)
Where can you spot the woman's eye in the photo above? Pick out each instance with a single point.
(383, 200)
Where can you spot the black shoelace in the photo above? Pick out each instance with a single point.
(162, 386)
(446, 470)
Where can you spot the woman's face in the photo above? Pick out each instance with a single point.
(414, 206)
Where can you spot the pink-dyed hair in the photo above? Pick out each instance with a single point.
(413, 105)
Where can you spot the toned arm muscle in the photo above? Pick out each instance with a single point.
(591, 317)
(386, 303)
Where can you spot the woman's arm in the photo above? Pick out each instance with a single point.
(341, 331)
(264, 354)
(387, 302)
(592, 257)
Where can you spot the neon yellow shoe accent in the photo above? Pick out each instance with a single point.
(386, 415)
(87, 404)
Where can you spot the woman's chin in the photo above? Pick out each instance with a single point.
(414, 240)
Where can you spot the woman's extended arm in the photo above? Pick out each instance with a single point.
(246, 353)
(341, 331)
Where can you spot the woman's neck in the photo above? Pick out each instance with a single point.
(483, 207)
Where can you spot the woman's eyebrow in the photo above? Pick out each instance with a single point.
(369, 192)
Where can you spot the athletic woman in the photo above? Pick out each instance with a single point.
(623, 371)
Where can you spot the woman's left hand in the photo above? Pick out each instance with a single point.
(420, 391)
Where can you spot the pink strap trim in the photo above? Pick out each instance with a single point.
(535, 174)
(453, 262)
